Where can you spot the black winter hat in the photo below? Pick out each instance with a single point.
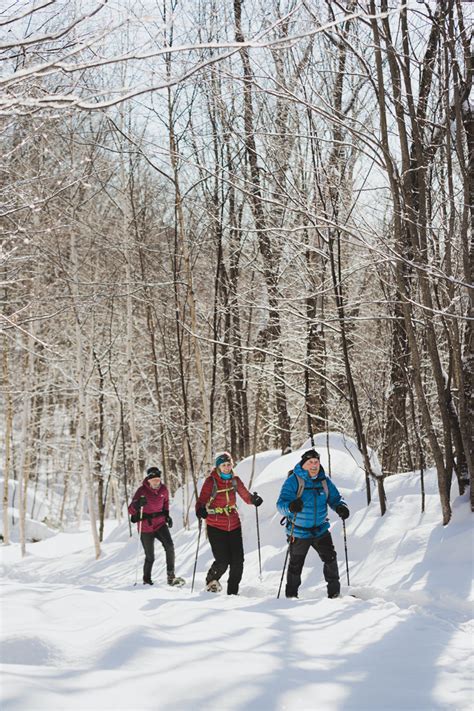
(152, 473)
(309, 454)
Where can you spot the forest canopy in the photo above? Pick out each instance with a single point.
(234, 226)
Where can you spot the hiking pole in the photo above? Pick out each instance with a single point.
(258, 544)
(287, 554)
(345, 548)
(138, 543)
(197, 553)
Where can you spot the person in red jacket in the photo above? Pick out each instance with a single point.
(150, 510)
(217, 504)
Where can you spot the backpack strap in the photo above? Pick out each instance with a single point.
(215, 490)
(325, 487)
(300, 489)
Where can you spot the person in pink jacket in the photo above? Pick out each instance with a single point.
(149, 509)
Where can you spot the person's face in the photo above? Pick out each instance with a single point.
(155, 482)
(226, 467)
(312, 466)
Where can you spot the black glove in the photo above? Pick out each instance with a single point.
(202, 512)
(169, 522)
(140, 503)
(256, 499)
(342, 511)
(296, 505)
(134, 518)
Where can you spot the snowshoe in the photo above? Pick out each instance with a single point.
(214, 586)
(176, 582)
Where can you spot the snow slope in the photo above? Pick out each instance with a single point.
(77, 634)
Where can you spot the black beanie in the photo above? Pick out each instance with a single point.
(152, 473)
(309, 454)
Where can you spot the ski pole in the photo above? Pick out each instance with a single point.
(345, 548)
(258, 543)
(197, 553)
(138, 543)
(287, 554)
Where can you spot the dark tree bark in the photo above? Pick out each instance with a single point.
(268, 254)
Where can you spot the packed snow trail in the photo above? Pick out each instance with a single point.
(88, 647)
(76, 634)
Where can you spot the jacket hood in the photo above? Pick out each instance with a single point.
(298, 469)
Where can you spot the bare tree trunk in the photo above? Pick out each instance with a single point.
(270, 262)
(191, 295)
(393, 458)
(99, 448)
(83, 411)
(235, 333)
(8, 434)
(24, 468)
(129, 342)
(156, 375)
(259, 358)
(315, 389)
(463, 116)
(336, 180)
(66, 481)
(405, 218)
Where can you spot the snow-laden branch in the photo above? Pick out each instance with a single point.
(51, 36)
(262, 41)
(10, 19)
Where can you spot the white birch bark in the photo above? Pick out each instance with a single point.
(23, 470)
(129, 373)
(128, 250)
(82, 421)
(191, 295)
(8, 432)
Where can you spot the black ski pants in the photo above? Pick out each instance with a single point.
(324, 547)
(163, 535)
(228, 551)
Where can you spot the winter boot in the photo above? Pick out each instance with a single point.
(214, 586)
(147, 581)
(174, 581)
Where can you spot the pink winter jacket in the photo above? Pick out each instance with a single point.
(157, 501)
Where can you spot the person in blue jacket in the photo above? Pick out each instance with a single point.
(307, 522)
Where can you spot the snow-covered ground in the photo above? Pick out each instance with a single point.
(77, 634)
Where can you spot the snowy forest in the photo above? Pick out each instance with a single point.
(232, 225)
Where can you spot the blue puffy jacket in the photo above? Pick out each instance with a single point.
(312, 521)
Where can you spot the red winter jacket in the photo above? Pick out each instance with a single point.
(228, 519)
(157, 500)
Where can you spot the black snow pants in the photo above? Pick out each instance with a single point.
(228, 551)
(148, 542)
(324, 547)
